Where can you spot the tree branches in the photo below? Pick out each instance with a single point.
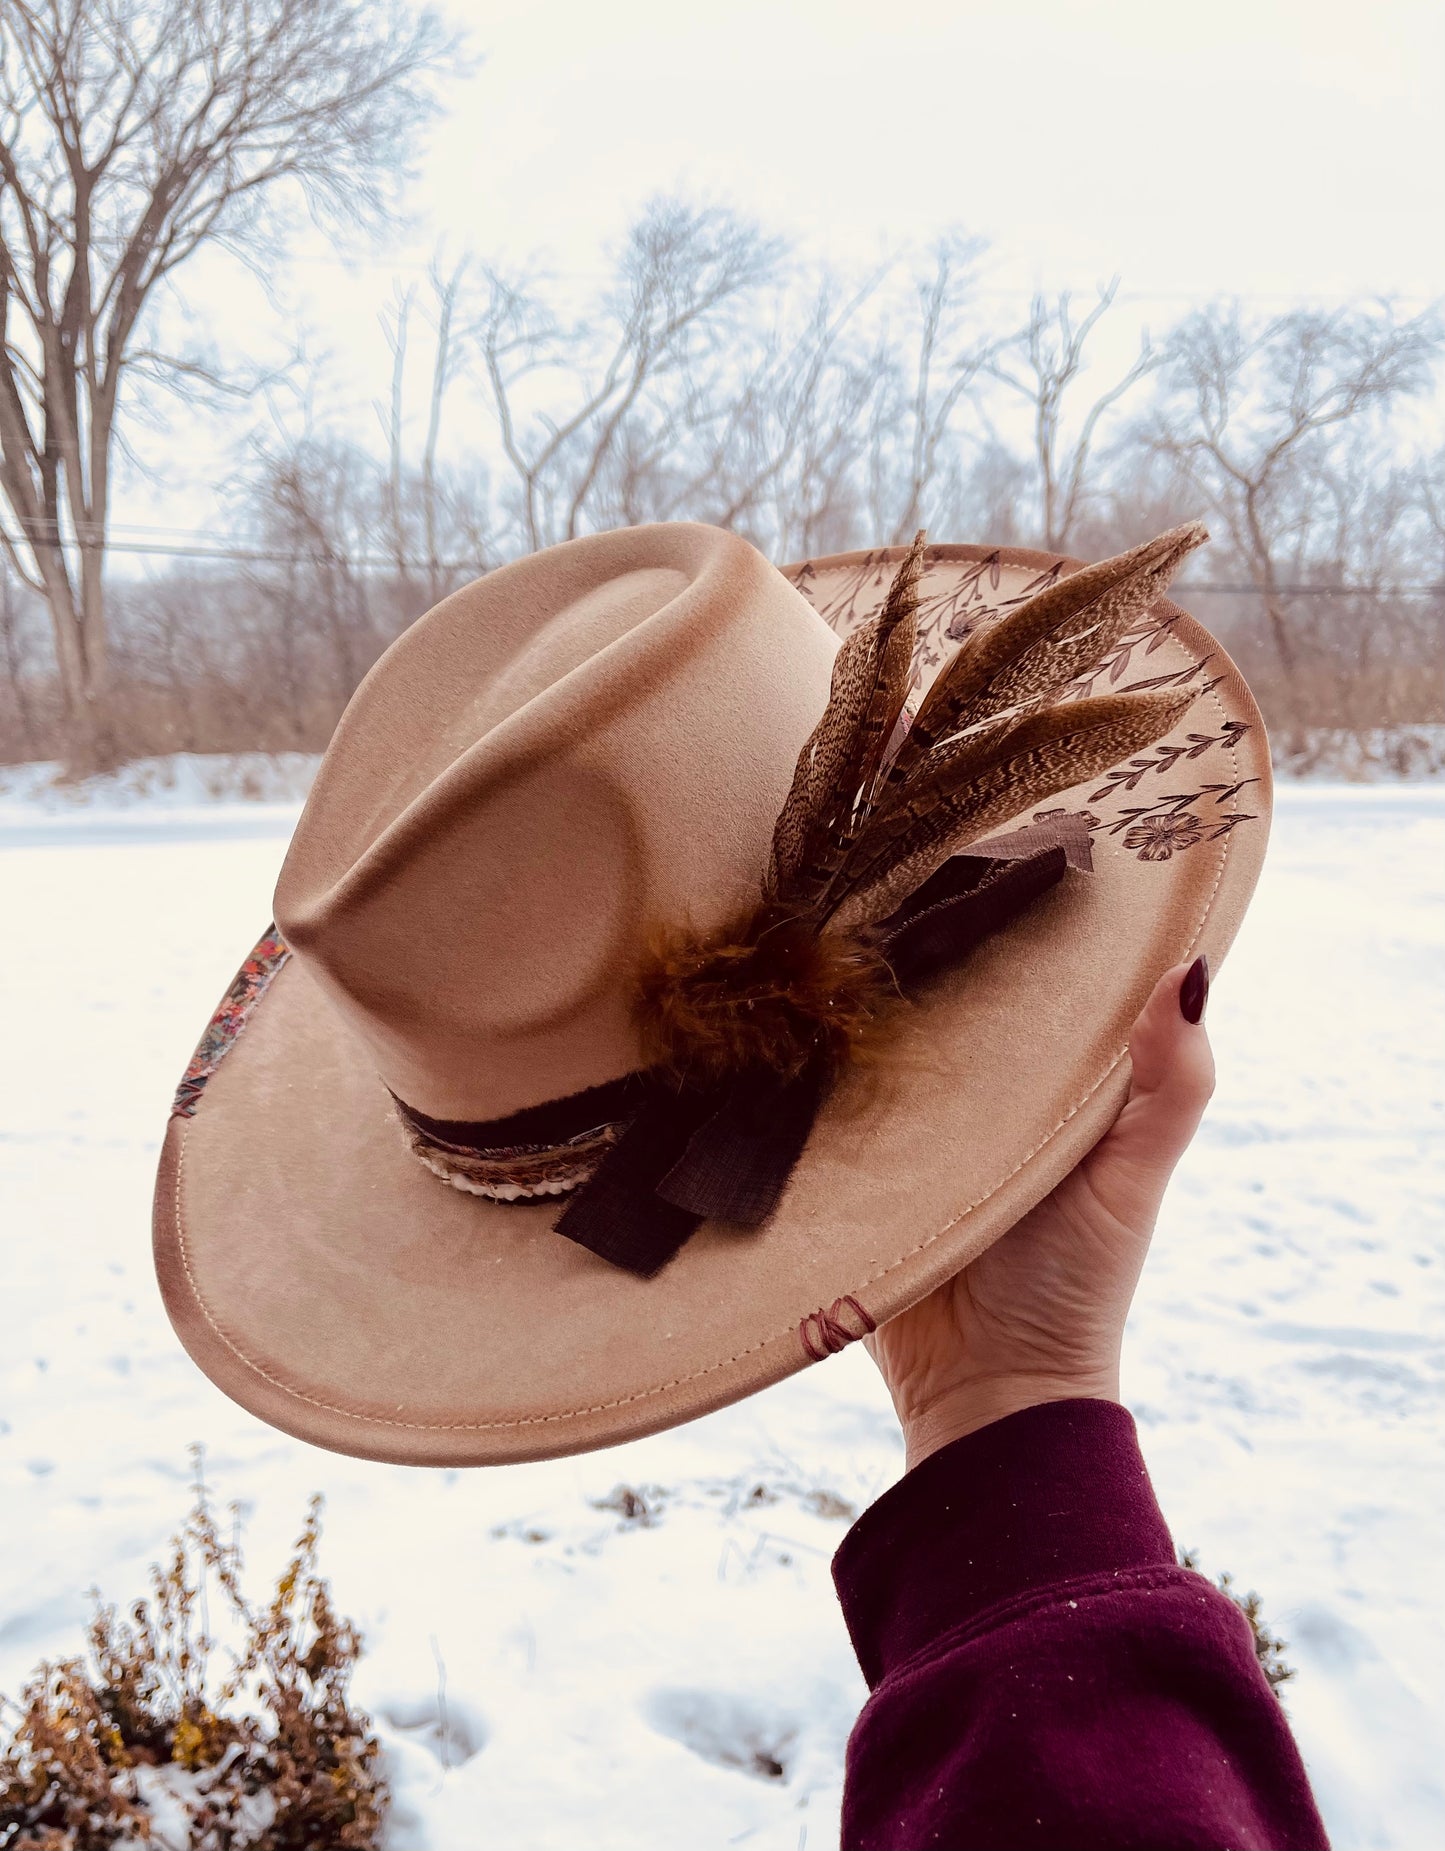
(1042, 365)
(1247, 410)
(681, 271)
(132, 132)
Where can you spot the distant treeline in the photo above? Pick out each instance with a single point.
(715, 378)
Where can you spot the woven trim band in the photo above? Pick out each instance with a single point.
(545, 1150)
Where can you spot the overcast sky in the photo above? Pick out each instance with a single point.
(1263, 145)
(1272, 148)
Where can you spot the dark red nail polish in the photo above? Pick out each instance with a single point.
(1194, 991)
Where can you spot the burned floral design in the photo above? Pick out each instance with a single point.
(1157, 837)
(1169, 753)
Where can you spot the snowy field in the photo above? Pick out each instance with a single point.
(548, 1671)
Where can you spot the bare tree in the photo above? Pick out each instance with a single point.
(446, 363)
(414, 495)
(682, 270)
(1248, 412)
(826, 419)
(1355, 568)
(13, 641)
(395, 322)
(766, 433)
(947, 364)
(316, 504)
(132, 134)
(1429, 497)
(709, 385)
(1048, 359)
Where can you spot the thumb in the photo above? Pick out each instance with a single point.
(1173, 1078)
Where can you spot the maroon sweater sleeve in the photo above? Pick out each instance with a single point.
(1042, 1672)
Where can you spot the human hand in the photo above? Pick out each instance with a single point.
(1040, 1315)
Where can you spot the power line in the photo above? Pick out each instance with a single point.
(1328, 591)
(384, 562)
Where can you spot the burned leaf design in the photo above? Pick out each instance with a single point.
(1166, 756)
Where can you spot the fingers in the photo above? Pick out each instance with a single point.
(1172, 1060)
(1173, 1078)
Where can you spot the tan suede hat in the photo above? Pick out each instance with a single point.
(663, 996)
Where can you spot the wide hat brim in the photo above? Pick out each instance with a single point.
(326, 1281)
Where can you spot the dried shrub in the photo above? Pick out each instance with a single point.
(163, 1734)
(1269, 1648)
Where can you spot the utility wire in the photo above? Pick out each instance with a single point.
(90, 535)
(386, 562)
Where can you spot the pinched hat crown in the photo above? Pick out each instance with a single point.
(534, 775)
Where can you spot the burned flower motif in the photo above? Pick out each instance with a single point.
(1157, 837)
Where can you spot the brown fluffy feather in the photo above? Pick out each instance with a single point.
(765, 993)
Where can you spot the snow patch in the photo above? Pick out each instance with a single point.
(1378, 754)
(180, 780)
(726, 1729)
(621, 1633)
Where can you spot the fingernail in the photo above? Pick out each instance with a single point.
(1194, 991)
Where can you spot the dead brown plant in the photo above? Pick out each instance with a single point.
(238, 1712)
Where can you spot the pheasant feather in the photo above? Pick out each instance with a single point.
(819, 761)
(1037, 650)
(821, 818)
(897, 638)
(1006, 771)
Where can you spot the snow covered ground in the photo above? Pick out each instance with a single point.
(178, 781)
(549, 1671)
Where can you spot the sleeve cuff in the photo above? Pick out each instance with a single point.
(1045, 1495)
